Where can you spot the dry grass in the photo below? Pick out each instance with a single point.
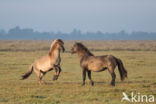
(117, 45)
(18, 55)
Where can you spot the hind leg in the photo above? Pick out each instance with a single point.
(89, 76)
(39, 77)
(111, 71)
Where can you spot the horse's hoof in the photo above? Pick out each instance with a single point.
(54, 79)
(40, 83)
(92, 83)
(112, 84)
(82, 84)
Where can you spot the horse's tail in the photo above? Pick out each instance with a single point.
(26, 75)
(122, 70)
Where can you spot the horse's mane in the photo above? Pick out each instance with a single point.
(56, 40)
(53, 45)
(82, 48)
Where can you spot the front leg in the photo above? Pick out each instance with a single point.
(84, 76)
(58, 71)
(55, 73)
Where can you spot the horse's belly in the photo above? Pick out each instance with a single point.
(95, 67)
(45, 67)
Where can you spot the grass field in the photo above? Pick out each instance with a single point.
(139, 58)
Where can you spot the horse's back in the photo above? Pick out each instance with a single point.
(97, 63)
(109, 59)
(102, 58)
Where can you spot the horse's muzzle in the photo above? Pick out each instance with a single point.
(72, 51)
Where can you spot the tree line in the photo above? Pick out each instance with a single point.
(18, 33)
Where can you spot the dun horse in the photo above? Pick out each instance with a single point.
(89, 63)
(47, 63)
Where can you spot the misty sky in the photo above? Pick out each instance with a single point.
(86, 15)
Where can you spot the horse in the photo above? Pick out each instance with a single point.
(47, 63)
(89, 62)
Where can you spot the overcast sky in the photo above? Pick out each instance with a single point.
(86, 15)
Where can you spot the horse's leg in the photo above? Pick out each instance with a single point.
(55, 73)
(38, 73)
(111, 71)
(42, 73)
(58, 71)
(89, 76)
(84, 76)
(39, 77)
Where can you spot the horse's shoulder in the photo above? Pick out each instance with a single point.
(43, 57)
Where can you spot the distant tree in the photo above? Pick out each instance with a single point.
(15, 31)
(76, 32)
(27, 31)
(123, 32)
(18, 31)
(99, 33)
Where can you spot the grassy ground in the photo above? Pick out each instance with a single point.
(141, 67)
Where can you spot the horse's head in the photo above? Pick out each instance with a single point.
(80, 48)
(58, 44)
(76, 48)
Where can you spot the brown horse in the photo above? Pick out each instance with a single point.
(89, 63)
(47, 63)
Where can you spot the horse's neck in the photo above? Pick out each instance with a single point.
(82, 55)
(55, 54)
